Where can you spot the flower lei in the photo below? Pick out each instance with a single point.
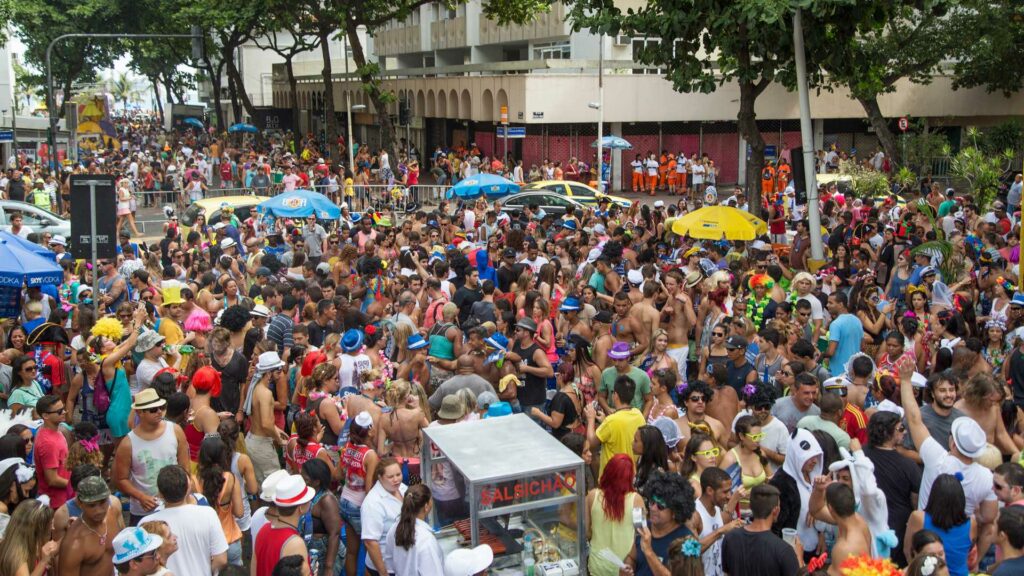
(866, 566)
(817, 563)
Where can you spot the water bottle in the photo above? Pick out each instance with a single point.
(528, 561)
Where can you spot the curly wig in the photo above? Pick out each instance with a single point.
(670, 490)
(235, 317)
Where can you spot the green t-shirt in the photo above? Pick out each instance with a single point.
(945, 207)
(643, 384)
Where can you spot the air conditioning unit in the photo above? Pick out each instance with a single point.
(623, 40)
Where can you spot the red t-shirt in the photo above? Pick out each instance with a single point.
(51, 452)
(854, 423)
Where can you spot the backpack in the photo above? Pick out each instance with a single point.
(100, 394)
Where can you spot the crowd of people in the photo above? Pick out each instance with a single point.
(251, 395)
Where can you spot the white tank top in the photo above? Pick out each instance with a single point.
(148, 458)
(712, 557)
(246, 520)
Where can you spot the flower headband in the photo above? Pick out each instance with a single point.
(996, 323)
(691, 548)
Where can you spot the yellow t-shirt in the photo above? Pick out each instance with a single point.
(616, 434)
(171, 332)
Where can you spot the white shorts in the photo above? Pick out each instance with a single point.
(680, 354)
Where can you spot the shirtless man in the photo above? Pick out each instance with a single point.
(724, 403)
(71, 511)
(677, 316)
(264, 435)
(853, 537)
(626, 327)
(981, 399)
(698, 394)
(603, 338)
(645, 312)
(88, 549)
(570, 322)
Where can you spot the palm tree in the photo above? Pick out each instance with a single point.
(123, 88)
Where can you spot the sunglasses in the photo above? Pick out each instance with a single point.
(755, 437)
(58, 411)
(153, 410)
(762, 407)
(695, 399)
(718, 334)
(31, 368)
(711, 452)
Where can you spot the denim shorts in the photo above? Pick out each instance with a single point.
(351, 515)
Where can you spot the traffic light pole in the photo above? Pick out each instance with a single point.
(51, 100)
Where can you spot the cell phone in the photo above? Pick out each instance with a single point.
(638, 518)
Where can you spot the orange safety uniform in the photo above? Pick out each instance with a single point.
(638, 175)
(670, 173)
(767, 182)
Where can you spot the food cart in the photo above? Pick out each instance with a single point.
(525, 491)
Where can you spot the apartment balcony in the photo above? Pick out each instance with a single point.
(551, 24)
(402, 40)
(446, 34)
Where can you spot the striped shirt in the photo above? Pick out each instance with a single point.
(279, 331)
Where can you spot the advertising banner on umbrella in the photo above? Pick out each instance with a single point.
(300, 204)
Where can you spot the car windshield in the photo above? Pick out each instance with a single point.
(188, 217)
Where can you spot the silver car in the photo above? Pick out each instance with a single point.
(37, 219)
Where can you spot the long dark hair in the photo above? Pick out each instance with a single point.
(416, 498)
(743, 426)
(213, 459)
(947, 503)
(655, 454)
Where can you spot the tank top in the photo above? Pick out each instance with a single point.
(616, 536)
(712, 557)
(299, 455)
(535, 390)
(194, 437)
(440, 346)
(956, 542)
(329, 438)
(245, 520)
(148, 458)
(227, 520)
(105, 285)
(353, 459)
(267, 547)
(550, 350)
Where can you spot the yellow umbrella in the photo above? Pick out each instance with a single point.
(717, 222)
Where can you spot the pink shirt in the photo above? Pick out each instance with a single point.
(51, 452)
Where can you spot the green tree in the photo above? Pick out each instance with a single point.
(288, 32)
(123, 88)
(870, 45)
(706, 43)
(993, 45)
(75, 60)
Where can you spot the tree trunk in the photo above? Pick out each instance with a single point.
(331, 129)
(156, 97)
(293, 94)
(882, 131)
(215, 83)
(747, 123)
(236, 107)
(239, 83)
(380, 103)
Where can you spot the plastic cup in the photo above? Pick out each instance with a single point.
(788, 535)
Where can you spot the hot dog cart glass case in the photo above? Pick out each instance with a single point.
(524, 489)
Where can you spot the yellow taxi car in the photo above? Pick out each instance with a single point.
(577, 191)
(244, 206)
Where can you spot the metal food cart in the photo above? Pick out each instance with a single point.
(519, 481)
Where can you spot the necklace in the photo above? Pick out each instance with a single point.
(102, 537)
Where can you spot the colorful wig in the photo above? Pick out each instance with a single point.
(198, 321)
(761, 280)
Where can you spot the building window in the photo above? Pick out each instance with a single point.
(639, 44)
(552, 51)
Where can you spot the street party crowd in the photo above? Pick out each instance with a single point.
(250, 395)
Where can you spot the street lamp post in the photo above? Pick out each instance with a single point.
(51, 100)
(807, 140)
(599, 106)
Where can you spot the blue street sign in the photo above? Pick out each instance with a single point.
(771, 152)
(513, 131)
(6, 135)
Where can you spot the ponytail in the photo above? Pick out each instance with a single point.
(416, 499)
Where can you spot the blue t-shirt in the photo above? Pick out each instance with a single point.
(660, 547)
(848, 332)
(1011, 567)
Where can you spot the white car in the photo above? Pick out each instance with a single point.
(37, 219)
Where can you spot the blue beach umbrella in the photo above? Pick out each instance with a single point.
(489, 185)
(300, 204)
(613, 143)
(248, 128)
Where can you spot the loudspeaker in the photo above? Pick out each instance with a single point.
(799, 181)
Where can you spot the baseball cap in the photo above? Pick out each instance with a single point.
(735, 342)
(604, 317)
(92, 489)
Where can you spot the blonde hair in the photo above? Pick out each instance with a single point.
(449, 311)
(369, 377)
(654, 337)
(801, 276)
(424, 401)
(397, 393)
(26, 533)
